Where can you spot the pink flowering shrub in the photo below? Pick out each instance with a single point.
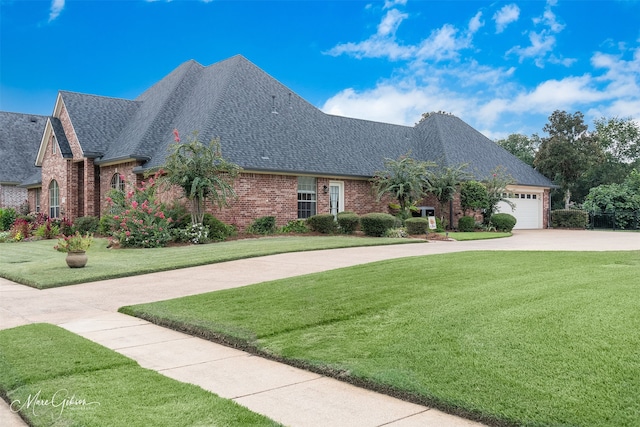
(139, 219)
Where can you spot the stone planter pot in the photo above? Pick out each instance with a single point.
(76, 259)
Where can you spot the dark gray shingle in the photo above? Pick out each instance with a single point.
(19, 142)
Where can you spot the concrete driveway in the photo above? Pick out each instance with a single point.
(288, 395)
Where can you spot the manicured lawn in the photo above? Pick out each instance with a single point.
(526, 338)
(37, 264)
(59, 378)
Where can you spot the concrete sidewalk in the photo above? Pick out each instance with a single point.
(291, 396)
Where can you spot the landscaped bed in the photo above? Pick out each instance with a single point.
(56, 378)
(521, 338)
(37, 264)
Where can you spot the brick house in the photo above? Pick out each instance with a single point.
(297, 161)
(19, 141)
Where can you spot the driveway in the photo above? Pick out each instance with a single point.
(288, 395)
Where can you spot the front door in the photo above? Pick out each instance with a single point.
(336, 197)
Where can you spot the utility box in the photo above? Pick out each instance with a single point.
(425, 211)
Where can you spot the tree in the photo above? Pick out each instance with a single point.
(496, 187)
(568, 152)
(473, 196)
(521, 146)
(619, 138)
(201, 172)
(443, 183)
(403, 179)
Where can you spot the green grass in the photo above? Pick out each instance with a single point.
(87, 384)
(475, 235)
(524, 338)
(37, 264)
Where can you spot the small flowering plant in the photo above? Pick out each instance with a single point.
(74, 243)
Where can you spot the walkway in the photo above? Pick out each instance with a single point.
(291, 396)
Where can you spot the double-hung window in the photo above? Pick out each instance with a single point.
(306, 196)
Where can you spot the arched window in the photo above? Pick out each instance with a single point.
(54, 199)
(117, 183)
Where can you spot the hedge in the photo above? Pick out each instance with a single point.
(569, 218)
(376, 224)
(417, 225)
(503, 222)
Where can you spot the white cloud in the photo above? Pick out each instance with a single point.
(438, 75)
(391, 3)
(505, 16)
(543, 42)
(476, 23)
(56, 9)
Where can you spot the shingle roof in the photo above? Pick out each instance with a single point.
(19, 143)
(264, 126)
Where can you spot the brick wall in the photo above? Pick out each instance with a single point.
(12, 196)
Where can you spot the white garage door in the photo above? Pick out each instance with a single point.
(528, 209)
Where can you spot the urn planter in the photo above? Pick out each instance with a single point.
(77, 259)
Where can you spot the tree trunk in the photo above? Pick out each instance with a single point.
(197, 210)
(567, 198)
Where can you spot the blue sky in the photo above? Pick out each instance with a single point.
(501, 66)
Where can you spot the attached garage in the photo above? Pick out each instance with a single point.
(528, 207)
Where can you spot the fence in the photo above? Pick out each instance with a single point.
(620, 220)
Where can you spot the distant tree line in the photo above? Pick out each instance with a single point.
(577, 159)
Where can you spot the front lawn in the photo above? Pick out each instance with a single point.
(475, 235)
(524, 338)
(56, 378)
(37, 264)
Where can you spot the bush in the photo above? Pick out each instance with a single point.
(376, 224)
(569, 218)
(218, 230)
(193, 233)
(396, 233)
(86, 224)
(503, 222)
(417, 225)
(7, 217)
(47, 230)
(468, 223)
(263, 225)
(107, 225)
(322, 223)
(295, 226)
(180, 216)
(348, 222)
(440, 228)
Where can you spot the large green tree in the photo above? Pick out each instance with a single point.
(201, 172)
(568, 152)
(403, 179)
(521, 146)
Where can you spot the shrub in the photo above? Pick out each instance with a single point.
(569, 218)
(180, 216)
(86, 224)
(7, 218)
(503, 222)
(348, 222)
(322, 223)
(263, 225)
(218, 230)
(295, 226)
(107, 225)
(143, 223)
(417, 225)
(376, 224)
(47, 230)
(467, 223)
(21, 229)
(440, 228)
(396, 233)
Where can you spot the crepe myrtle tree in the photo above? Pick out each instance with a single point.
(201, 172)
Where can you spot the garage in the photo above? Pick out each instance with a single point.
(528, 209)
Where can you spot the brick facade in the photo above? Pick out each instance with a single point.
(12, 196)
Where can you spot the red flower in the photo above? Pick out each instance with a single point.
(176, 136)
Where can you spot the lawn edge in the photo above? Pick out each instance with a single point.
(327, 371)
